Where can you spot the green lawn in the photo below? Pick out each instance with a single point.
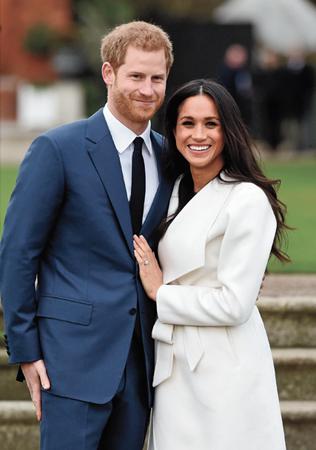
(7, 180)
(298, 191)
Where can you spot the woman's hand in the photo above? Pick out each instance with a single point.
(149, 270)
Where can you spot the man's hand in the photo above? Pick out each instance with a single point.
(36, 377)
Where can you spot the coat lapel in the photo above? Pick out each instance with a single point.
(105, 159)
(182, 249)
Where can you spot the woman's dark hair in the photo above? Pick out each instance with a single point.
(240, 163)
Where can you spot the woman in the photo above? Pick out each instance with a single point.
(214, 379)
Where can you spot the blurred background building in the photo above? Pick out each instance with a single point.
(50, 66)
(34, 64)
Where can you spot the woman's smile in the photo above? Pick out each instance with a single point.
(198, 148)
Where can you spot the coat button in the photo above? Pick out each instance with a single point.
(132, 311)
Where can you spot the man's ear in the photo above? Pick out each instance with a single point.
(108, 74)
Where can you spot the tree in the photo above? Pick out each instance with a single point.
(95, 18)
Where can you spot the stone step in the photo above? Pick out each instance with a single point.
(296, 373)
(18, 426)
(19, 429)
(289, 285)
(289, 321)
(9, 388)
(299, 420)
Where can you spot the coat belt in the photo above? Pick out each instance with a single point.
(163, 335)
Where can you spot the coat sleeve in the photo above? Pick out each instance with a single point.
(29, 220)
(244, 253)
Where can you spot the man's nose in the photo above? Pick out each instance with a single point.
(146, 88)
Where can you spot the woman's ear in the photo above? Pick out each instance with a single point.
(108, 73)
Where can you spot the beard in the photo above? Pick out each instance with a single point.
(131, 107)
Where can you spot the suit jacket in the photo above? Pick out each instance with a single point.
(213, 359)
(68, 225)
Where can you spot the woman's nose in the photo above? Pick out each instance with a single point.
(199, 133)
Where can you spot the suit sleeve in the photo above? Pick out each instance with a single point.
(244, 253)
(30, 217)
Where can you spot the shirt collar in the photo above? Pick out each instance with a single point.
(122, 136)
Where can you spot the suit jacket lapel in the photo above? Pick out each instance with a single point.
(106, 161)
(159, 205)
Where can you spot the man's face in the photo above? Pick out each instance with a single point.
(136, 90)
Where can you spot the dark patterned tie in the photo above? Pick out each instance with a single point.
(136, 203)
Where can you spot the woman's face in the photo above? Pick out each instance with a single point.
(198, 133)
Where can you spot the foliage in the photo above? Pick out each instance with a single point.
(41, 40)
(95, 93)
(190, 9)
(96, 18)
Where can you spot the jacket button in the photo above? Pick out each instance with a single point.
(132, 311)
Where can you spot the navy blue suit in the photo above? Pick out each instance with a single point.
(68, 224)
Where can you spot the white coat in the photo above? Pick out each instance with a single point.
(214, 375)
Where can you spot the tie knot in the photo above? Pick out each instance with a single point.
(138, 143)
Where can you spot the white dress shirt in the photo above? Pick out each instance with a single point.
(123, 139)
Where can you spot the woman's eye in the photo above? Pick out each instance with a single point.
(212, 124)
(187, 123)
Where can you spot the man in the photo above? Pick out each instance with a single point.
(83, 335)
(235, 75)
